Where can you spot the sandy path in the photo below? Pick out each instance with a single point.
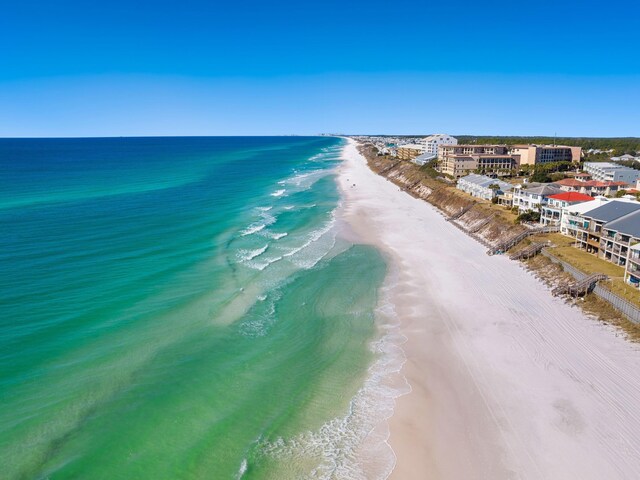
(507, 381)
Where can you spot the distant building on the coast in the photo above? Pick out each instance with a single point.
(541, 154)
(432, 142)
(611, 172)
(482, 186)
(626, 158)
(409, 151)
(460, 160)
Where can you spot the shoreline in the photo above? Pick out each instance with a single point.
(501, 373)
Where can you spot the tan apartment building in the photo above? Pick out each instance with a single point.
(410, 151)
(460, 160)
(540, 154)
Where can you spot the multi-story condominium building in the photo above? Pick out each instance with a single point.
(409, 151)
(591, 228)
(610, 172)
(482, 186)
(432, 142)
(551, 213)
(572, 215)
(632, 270)
(591, 187)
(618, 236)
(539, 154)
(532, 197)
(460, 160)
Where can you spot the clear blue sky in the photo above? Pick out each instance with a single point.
(71, 68)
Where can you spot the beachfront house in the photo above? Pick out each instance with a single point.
(424, 158)
(551, 213)
(481, 186)
(533, 196)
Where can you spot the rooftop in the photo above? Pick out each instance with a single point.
(548, 189)
(572, 197)
(613, 210)
(628, 224)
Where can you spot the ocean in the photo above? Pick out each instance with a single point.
(185, 308)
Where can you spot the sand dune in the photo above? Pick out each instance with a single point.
(507, 381)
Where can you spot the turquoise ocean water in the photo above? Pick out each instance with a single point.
(181, 308)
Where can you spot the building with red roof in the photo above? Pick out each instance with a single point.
(591, 187)
(551, 213)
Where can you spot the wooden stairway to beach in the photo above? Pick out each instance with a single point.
(482, 224)
(464, 210)
(505, 245)
(581, 287)
(530, 251)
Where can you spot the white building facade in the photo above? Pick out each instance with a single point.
(610, 172)
(532, 198)
(482, 186)
(432, 142)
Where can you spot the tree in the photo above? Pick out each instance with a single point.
(621, 193)
(540, 176)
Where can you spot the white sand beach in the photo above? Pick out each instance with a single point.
(507, 381)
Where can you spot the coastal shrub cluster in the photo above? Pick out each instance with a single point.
(530, 216)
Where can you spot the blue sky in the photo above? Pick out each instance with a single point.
(235, 68)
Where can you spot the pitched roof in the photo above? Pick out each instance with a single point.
(570, 182)
(613, 210)
(548, 189)
(628, 224)
(572, 197)
(596, 183)
(484, 181)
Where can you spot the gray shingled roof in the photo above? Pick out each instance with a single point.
(612, 211)
(544, 189)
(628, 224)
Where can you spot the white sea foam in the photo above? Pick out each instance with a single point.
(243, 469)
(246, 255)
(354, 446)
(304, 181)
(278, 193)
(275, 235)
(264, 209)
(253, 228)
(259, 326)
(313, 237)
(262, 263)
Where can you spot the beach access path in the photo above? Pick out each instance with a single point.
(507, 381)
